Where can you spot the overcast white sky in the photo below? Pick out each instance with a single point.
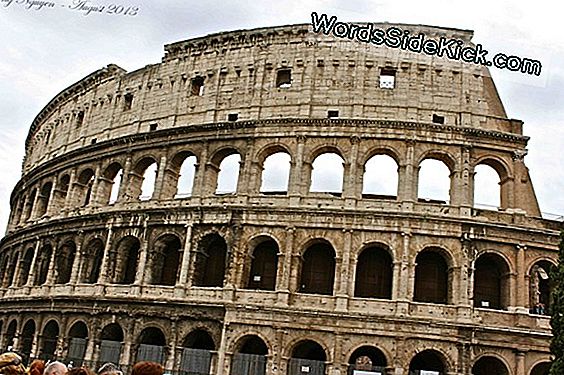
(44, 51)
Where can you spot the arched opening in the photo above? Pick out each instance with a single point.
(29, 205)
(49, 341)
(126, 255)
(374, 270)
(307, 356)
(78, 336)
(64, 261)
(42, 266)
(542, 368)
(228, 175)
(428, 362)
(210, 261)
(276, 173)
(489, 366)
(165, 260)
(264, 266)
(26, 342)
(148, 182)
(250, 358)
(318, 269)
(110, 183)
(25, 267)
(328, 170)
(380, 179)
(540, 288)
(487, 192)
(92, 261)
(367, 359)
(43, 198)
(60, 193)
(186, 166)
(111, 343)
(10, 335)
(431, 277)
(9, 279)
(433, 182)
(83, 187)
(491, 281)
(197, 353)
(152, 343)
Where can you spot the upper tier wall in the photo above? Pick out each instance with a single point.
(239, 73)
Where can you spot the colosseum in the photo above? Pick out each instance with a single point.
(219, 212)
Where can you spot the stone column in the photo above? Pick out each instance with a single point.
(93, 333)
(405, 280)
(77, 259)
(344, 279)
(51, 206)
(143, 252)
(33, 267)
(351, 186)
(94, 190)
(185, 259)
(519, 363)
(70, 201)
(160, 179)
(295, 188)
(104, 269)
(408, 176)
(284, 272)
(521, 287)
(123, 187)
(52, 271)
(198, 189)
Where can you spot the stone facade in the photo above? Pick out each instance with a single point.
(288, 281)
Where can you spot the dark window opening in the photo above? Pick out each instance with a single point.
(438, 119)
(128, 101)
(80, 118)
(374, 274)
(284, 78)
(489, 366)
(490, 279)
(93, 140)
(232, 117)
(308, 357)
(427, 362)
(367, 358)
(166, 260)
(431, 278)
(332, 114)
(210, 262)
(197, 86)
(387, 78)
(153, 127)
(318, 270)
(264, 266)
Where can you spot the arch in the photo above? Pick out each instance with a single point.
(11, 334)
(327, 174)
(28, 208)
(43, 198)
(491, 281)
(374, 272)
(228, 174)
(78, 335)
(429, 360)
(165, 262)
(199, 339)
(184, 165)
(381, 177)
(541, 368)
(92, 261)
(26, 341)
(10, 273)
(540, 287)
(264, 265)
(25, 266)
(318, 269)
(434, 181)
(148, 180)
(64, 262)
(83, 187)
(42, 264)
(431, 276)
(49, 341)
(152, 342)
(250, 356)
(487, 192)
(125, 261)
(111, 182)
(197, 350)
(307, 354)
(210, 261)
(368, 358)
(276, 173)
(111, 343)
(61, 192)
(488, 365)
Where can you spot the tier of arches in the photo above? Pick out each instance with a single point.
(249, 353)
(207, 260)
(382, 173)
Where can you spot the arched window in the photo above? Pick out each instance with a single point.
(264, 266)
(307, 354)
(148, 184)
(250, 358)
(26, 342)
(210, 262)
(29, 205)
(540, 288)
(197, 350)
(152, 344)
(43, 199)
(318, 269)
(60, 194)
(83, 187)
(380, 178)
(487, 192)
(11, 334)
(374, 271)
(327, 174)
(431, 277)
(276, 173)
(186, 176)
(8, 281)
(428, 362)
(77, 345)
(125, 262)
(92, 261)
(111, 343)
(491, 282)
(49, 341)
(64, 261)
(489, 366)
(368, 359)
(110, 183)
(25, 267)
(541, 368)
(434, 181)
(165, 260)
(228, 174)
(42, 266)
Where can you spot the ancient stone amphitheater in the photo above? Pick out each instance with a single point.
(218, 212)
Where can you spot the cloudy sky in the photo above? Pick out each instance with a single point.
(43, 51)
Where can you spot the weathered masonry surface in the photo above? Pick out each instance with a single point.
(96, 266)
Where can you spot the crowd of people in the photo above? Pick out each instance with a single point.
(11, 364)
